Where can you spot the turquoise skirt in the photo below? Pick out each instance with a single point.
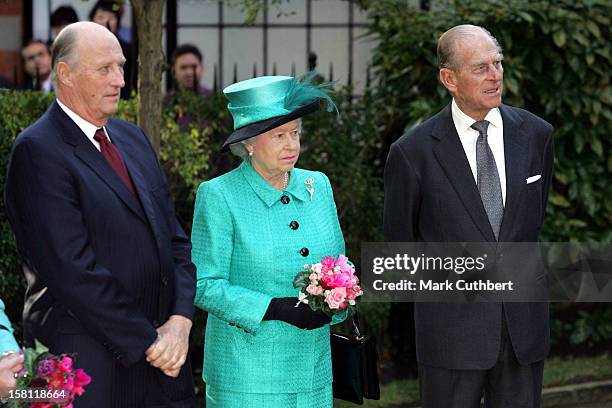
(217, 398)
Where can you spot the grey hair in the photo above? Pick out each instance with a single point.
(447, 44)
(239, 148)
(63, 50)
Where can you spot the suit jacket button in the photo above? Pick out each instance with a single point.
(285, 199)
(164, 281)
(304, 252)
(155, 323)
(294, 225)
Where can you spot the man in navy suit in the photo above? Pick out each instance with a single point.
(478, 171)
(108, 267)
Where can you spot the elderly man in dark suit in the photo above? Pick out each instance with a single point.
(108, 267)
(477, 171)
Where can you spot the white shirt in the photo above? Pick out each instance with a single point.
(88, 128)
(46, 85)
(495, 137)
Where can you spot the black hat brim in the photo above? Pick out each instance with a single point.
(257, 128)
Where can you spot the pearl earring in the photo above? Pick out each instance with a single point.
(250, 154)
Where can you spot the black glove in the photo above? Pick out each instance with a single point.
(301, 316)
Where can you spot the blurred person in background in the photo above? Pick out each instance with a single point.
(188, 69)
(108, 14)
(37, 64)
(60, 18)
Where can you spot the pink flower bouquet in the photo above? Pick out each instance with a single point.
(330, 285)
(47, 380)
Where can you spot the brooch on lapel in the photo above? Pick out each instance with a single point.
(309, 186)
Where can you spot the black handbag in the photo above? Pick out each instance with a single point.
(354, 366)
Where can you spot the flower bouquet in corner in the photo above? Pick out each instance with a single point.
(47, 380)
(330, 286)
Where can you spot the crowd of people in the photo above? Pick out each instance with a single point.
(113, 277)
(186, 65)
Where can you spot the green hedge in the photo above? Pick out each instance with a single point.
(17, 111)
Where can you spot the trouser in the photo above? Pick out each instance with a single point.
(508, 384)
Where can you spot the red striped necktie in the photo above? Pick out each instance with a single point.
(113, 157)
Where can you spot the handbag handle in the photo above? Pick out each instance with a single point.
(356, 326)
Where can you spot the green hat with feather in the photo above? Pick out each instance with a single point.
(264, 103)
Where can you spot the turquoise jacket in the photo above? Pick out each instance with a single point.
(7, 341)
(246, 253)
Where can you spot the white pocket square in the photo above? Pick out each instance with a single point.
(533, 179)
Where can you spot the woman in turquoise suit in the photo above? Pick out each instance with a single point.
(11, 362)
(254, 229)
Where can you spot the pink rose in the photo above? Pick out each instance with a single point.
(344, 266)
(78, 390)
(46, 367)
(327, 281)
(341, 261)
(68, 382)
(81, 378)
(336, 298)
(354, 292)
(65, 364)
(327, 264)
(337, 280)
(314, 289)
(57, 380)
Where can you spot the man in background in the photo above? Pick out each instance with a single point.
(107, 13)
(37, 64)
(188, 69)
(187, 64)
(60, 18)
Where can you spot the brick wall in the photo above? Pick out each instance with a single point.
(11, 12)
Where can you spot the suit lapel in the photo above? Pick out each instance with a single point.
(451, 156)
(515, 156)
(88, 154)
(91, 157)
(130, 158)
